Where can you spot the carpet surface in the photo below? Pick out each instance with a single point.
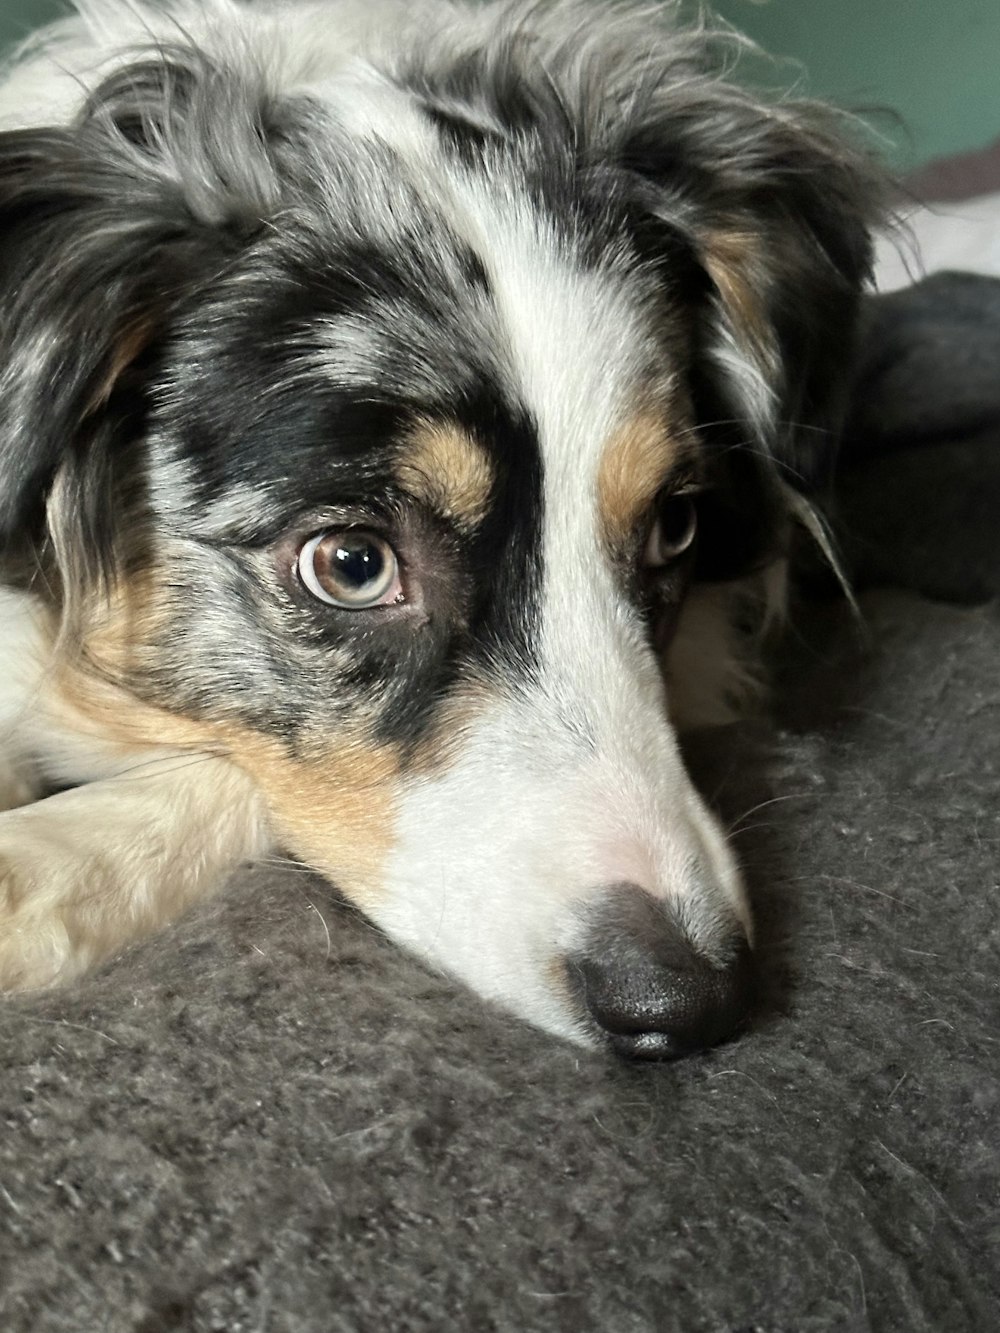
(270, 1120)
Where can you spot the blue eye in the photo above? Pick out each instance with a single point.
(350, 568)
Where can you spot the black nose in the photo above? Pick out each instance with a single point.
(646, 986)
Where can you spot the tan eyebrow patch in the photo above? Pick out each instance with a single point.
(635, 462)
(444, 467)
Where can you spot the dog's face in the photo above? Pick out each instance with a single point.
(389, 430)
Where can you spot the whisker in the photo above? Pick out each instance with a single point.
(762, 805)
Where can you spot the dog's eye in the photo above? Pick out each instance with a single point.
(350, 568)
(672, 532)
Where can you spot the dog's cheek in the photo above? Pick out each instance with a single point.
(338, 800)
(334, 808)
(331, 800)
(332, 790)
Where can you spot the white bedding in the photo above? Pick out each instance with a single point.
(964, 235)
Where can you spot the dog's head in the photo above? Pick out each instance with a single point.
(388, 423)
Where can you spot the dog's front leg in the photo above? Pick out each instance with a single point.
(85, 872)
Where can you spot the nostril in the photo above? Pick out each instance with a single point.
(650, 991)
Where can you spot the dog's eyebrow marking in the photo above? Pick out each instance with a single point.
(444, 467)
(634, 465)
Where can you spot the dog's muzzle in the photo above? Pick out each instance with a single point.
(648, 989)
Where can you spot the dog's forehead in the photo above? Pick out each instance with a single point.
(448, 294)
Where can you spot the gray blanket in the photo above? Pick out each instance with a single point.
(270, 1119)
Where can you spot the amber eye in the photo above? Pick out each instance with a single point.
(350, 568)
(672, 532)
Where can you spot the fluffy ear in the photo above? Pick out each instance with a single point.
(105, 226)
(776, 205)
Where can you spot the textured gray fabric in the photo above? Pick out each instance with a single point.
(921, 492)
(270, 1119)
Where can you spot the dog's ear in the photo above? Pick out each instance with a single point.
(773, 207)
(777, 207)
(105, 226)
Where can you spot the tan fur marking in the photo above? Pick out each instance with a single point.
(117, 626)
(733, 263)
(633, 467)
(445, 468)
(84, 703)
(333, 808)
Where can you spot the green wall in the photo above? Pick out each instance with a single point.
(935, 62)
(18, 17)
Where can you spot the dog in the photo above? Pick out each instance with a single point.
(406, 409)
